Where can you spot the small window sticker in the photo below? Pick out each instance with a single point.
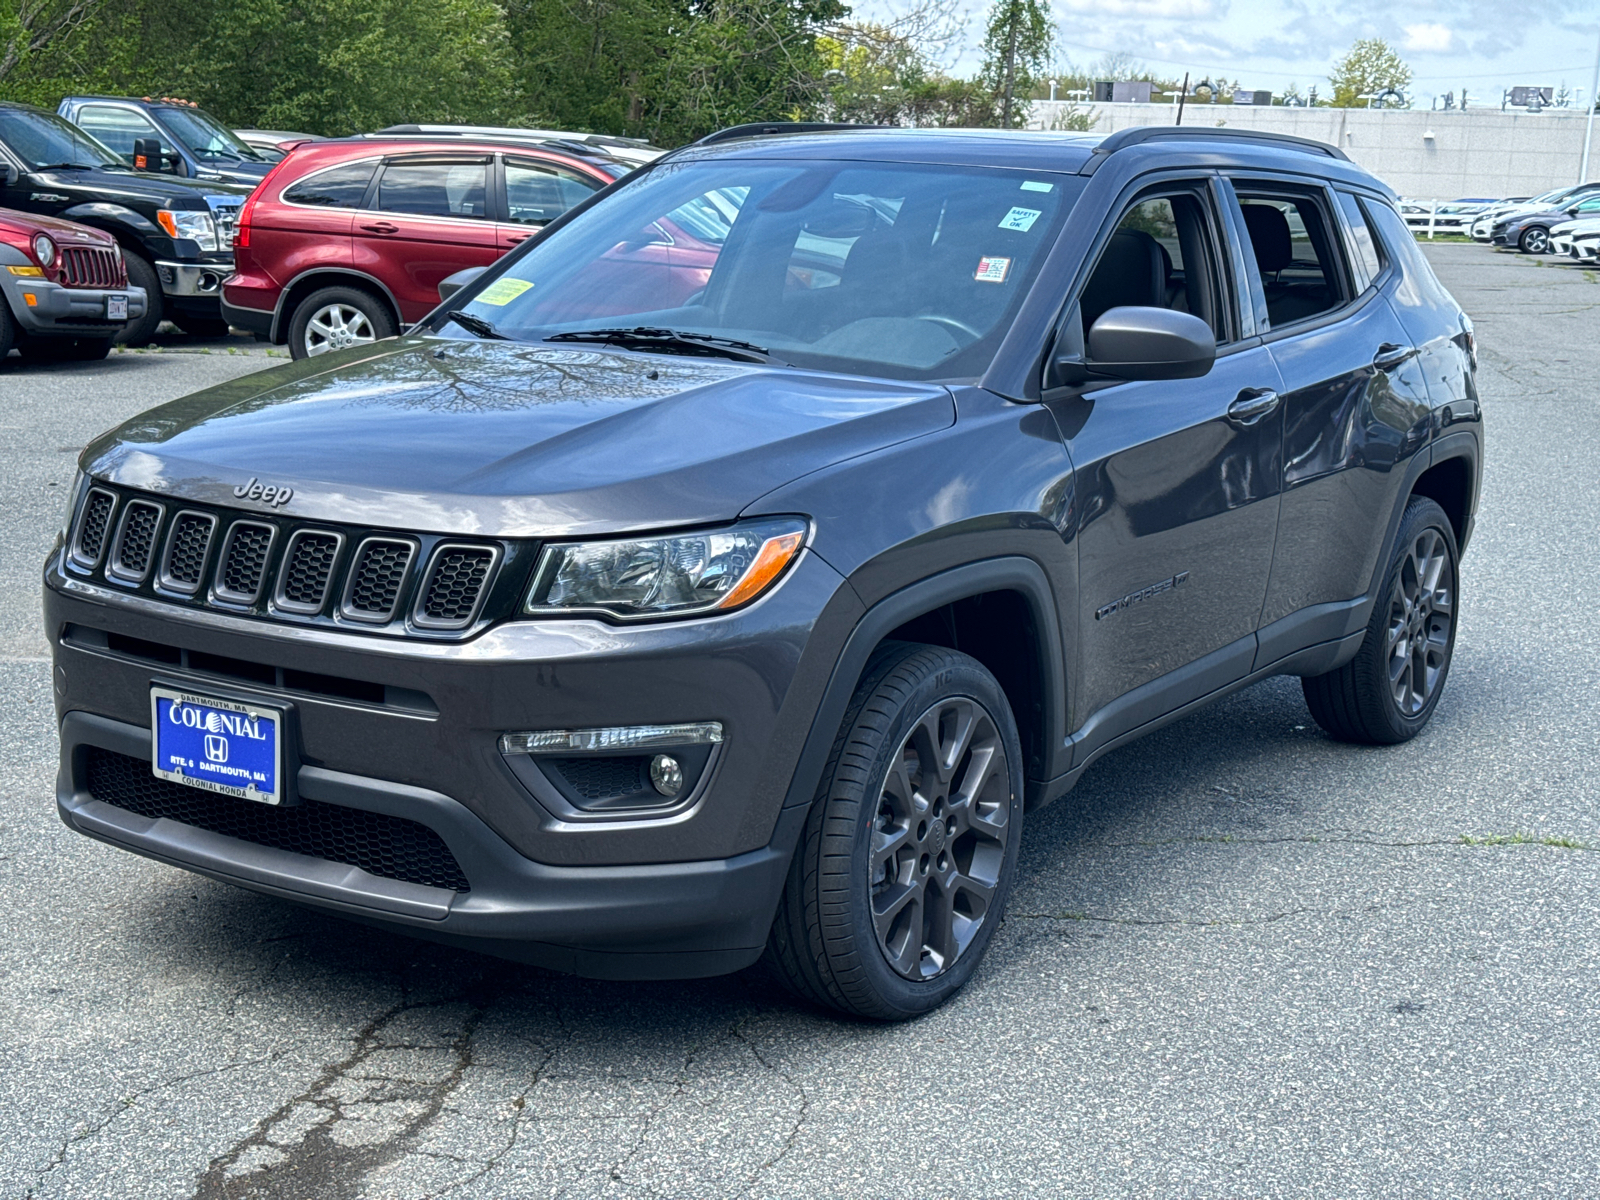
(503, 291)
(992, 269)
(1034, 185)
(1019, 219)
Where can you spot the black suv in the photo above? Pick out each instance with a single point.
(176, 234)
(728, 569)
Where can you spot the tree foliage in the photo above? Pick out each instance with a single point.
(1370, 66)
(30, 28)
(1017, 42)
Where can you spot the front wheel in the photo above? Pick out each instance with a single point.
(337, 318)
(1388, 691)
(1535, 240)
(910, 847)
(141, 274)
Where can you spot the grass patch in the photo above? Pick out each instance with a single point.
(1521, 838)
(1422, 236)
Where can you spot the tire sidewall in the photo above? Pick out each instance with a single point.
(142, 275)
(905, 997)
(1420, 514)
(375, 310)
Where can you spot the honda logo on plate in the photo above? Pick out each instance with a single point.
(216, 748)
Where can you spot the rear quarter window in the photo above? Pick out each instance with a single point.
(1418, 286)
(337, 187)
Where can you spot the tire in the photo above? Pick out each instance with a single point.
(1373, 699)
(895, 890)
(142, 275)
(1534, 240)
(8, 330)
(337, 317)
(201, 327)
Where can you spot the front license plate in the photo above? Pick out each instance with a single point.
(116, 308)
(218, 745)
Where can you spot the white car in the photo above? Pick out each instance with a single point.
(1563, 236)
(633, 151)
(1483, 226)
(1586, 247)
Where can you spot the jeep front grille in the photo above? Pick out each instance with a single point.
(376, 579)
(92, 267)
(455, 586)
(275, 567)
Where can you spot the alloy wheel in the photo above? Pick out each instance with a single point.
(336, 327)
(1421, 616)
(938, 842)
(1536, 241)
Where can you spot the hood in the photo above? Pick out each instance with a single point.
(66, 233)
(245, 172)
(511, 439)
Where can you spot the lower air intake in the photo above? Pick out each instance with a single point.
(392, 847)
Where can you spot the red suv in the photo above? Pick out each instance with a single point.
(346, 241)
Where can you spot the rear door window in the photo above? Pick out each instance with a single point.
(337, 187)
(1292, 243)
(538, 192)
(435, 189)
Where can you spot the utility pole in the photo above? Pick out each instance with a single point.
(1183, 95)
(1588, 125)
(1011, 66)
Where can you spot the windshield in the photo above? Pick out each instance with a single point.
(908, 270)
(46, 140)
(205, 136)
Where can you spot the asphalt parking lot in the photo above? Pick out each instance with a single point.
(1242, 960)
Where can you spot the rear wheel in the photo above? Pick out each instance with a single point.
(910, 848)
(1535, 240)
(337, 318)
(141, 274)
(1388, 691)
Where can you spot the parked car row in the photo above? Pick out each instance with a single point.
(317, 243)
(1565, 221)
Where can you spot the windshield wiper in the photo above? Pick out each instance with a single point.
(68, 166)
(476, 326)
(671, 341)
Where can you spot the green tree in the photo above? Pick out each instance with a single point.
(1017, 42)
(30, 28)
(1370, 65)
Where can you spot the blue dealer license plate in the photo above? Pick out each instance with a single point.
(218, 745)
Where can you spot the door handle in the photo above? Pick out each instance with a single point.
(1390, 356)
(381, 227)
(521, 237)
(1252, 404)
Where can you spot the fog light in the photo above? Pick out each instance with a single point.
(666, 775)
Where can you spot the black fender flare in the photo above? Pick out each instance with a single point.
(1010, 573)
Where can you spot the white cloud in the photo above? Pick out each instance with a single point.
(1429, 37)
(1186, 9)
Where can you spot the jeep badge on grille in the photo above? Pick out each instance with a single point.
(256, 490)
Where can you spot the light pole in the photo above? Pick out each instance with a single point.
(1588, 125)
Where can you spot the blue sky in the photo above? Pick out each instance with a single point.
(1480, 45)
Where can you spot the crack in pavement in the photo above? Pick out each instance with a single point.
(1463, 841)
(800, 1116)
(84, 1132)
(319, 1156)
(1204, 924)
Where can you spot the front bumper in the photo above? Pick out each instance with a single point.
(67, 312)
(647, 921)
(202, 279)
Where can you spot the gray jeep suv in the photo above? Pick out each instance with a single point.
(726, 571)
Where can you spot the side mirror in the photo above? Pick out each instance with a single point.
(9, 175)
(451, 284)
(1149, 343)
(147, 155)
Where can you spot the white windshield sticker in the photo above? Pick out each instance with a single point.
(992, 270)
(1033, 185)
(1020, 219)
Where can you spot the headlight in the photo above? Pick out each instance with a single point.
(196, 225)
(683, 575)
(44, 250)
(72, 504)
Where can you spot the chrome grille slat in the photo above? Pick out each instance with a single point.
(376, 578)
(307, 570)
(242, 565)
(135, 544)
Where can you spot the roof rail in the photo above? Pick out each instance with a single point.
(1140, 134)
(768, 128)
